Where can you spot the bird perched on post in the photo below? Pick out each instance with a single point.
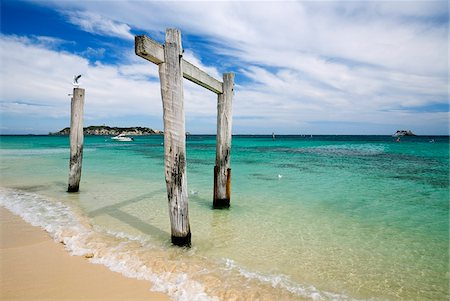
(75, 82)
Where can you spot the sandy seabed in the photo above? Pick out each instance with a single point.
(34, 267)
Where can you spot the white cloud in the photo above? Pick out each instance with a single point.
(36, 80)
(390, 35)
(93, 52)
(50, 42)
(97, 24)
(41, 77)
(302, 62)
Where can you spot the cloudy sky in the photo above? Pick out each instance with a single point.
(301, 67)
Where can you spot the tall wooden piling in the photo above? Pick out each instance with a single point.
(172, 68)
(171, 78)
(76, 139)
(222, 170)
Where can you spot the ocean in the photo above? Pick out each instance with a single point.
(311, 217)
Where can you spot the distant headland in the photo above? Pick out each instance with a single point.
(104, 130)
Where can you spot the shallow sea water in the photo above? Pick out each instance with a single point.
(312, 218)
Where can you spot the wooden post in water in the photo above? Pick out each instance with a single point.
(76, 139)
(222, 170)
(172, 69)
(171, 78)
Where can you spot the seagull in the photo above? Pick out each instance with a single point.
(75, 80)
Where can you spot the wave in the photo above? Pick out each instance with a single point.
(180, 273)
(282, 281)
(80, 240)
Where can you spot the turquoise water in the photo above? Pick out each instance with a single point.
(312, 218)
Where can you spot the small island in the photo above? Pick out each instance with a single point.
(104, 130)
(401, 133)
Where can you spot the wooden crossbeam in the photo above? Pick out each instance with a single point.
(152, 51)
(200, 77)
(172, 69)
(148, 49)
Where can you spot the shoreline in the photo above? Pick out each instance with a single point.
(33, 266)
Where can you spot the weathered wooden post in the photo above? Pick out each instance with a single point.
(172, 69)
(222, 170)
(76, 139)
(171, 78)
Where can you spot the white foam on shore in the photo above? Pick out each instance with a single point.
(64, 226)
(282, 281)
(129, 255)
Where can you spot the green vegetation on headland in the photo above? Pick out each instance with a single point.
(104, 130)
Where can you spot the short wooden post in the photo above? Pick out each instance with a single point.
(222, 170)
(171, 78)
(76, 139)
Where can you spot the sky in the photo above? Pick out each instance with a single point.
(324, 67)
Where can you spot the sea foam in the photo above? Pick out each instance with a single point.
(282, 281)
(135, 257)
(79, 239)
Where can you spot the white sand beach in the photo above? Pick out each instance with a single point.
(34, 267)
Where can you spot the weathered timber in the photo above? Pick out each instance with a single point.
(222, 170)
(154, 52)
(149, 49)
(229, 183)
(171, 78)
(172, 68)
(76, 139)
(195, 75)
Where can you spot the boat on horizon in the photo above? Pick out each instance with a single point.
(122, 138)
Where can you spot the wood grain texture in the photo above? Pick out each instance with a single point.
(76, 139)
(149, 49)
(152, 51)
(170, 74)
(200, 77)
(223, 143)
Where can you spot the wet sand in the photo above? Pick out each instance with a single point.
(34, 267)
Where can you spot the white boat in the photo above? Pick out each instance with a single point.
(122, 137)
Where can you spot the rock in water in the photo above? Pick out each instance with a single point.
(400, 133)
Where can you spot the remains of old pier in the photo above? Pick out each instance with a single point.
(172, 69)
(76, 139)
(222, 170)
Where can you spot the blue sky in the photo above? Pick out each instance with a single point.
(301, 67)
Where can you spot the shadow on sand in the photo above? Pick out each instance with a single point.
(116, 212)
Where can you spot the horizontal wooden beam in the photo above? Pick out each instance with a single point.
(200, 77)
(154, 52)
(148, 49)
